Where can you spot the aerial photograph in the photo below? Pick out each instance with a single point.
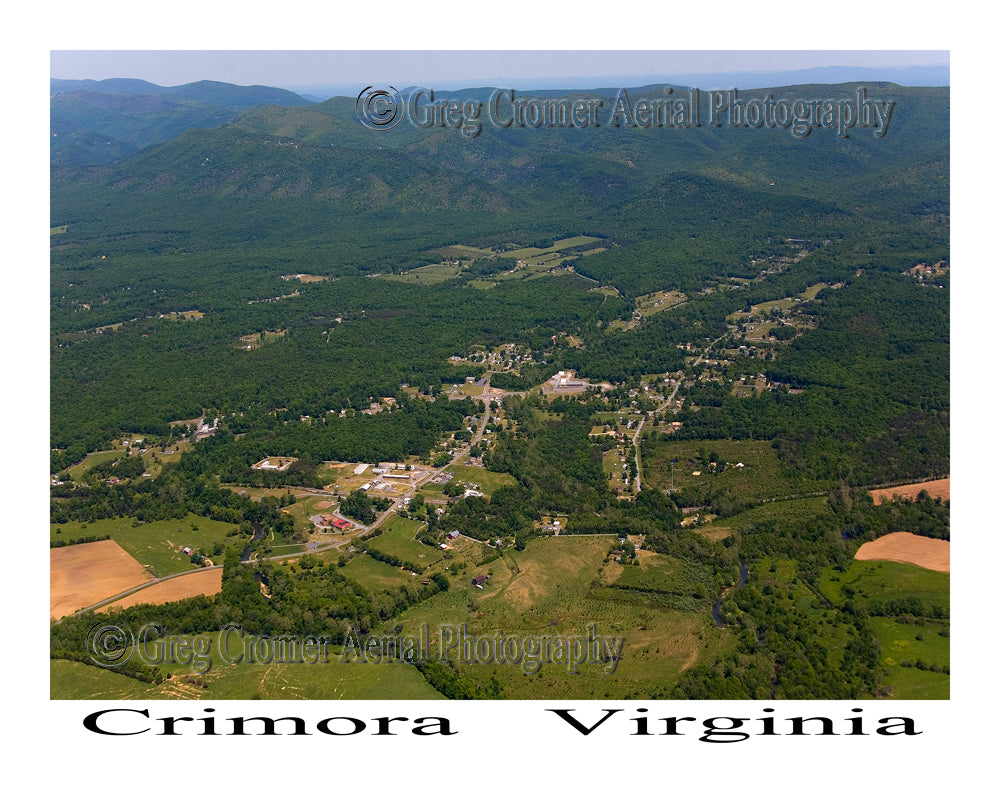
(499, 375)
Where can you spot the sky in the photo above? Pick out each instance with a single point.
(297, 68)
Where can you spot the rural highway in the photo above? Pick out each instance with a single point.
(662, 407)
(134, 589)
(383, 517)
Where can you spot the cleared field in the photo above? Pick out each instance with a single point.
(813, 290)
(375, 575)
(207, 582)
(906, 645)
(252, 341)
(174, 316)
(536, 254)
(887, 581)
(558, 586)
(940, 489)
(397, 540)
(650, 304)
(487, 481)
(459, 251)
(761, 477)
(155, 545)
(428, 275)
(82, 574)
(908, 548)
(334, 680)
(660, 573)
(92, 460)
(787, 510)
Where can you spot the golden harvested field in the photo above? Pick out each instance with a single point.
(207, 582)
(82, 574)
(909, 549)
(940, 489)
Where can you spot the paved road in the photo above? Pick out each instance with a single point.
(134, 589)
(663, 406)
(459, 457)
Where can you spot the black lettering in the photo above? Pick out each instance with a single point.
(568, 717)
(90, 721)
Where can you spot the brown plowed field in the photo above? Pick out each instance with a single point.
(940, 489)
(82, 574)
(208, 582)
(910, 549)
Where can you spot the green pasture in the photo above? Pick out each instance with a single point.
(375, 575)
(886, 580)
(560, 586)
(651, 304)
(488, 481)
(909, 643)
(427, 275)
(397, 540)
(784, 511)
(92, 460)
(661, 573)
(761, 478)
(334, 680)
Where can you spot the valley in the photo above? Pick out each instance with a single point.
(659, 382)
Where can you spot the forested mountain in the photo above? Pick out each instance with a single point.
(212, 218)
(96, 122)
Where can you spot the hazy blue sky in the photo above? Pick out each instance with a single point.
(310, 67)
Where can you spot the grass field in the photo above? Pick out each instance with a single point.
(462, 251)
(559, 586)
(375, 575)
(426, 276)
(397, 540)
(487, 481)
(886, 580)
(649, 304)
(786, 510)
(812, 291)
(910, 643)
(537, 254)
(761, 477)
(92, 460)
(335, 680)
(156, 545)
(661, 573)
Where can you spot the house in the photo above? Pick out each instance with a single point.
(480, 580)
